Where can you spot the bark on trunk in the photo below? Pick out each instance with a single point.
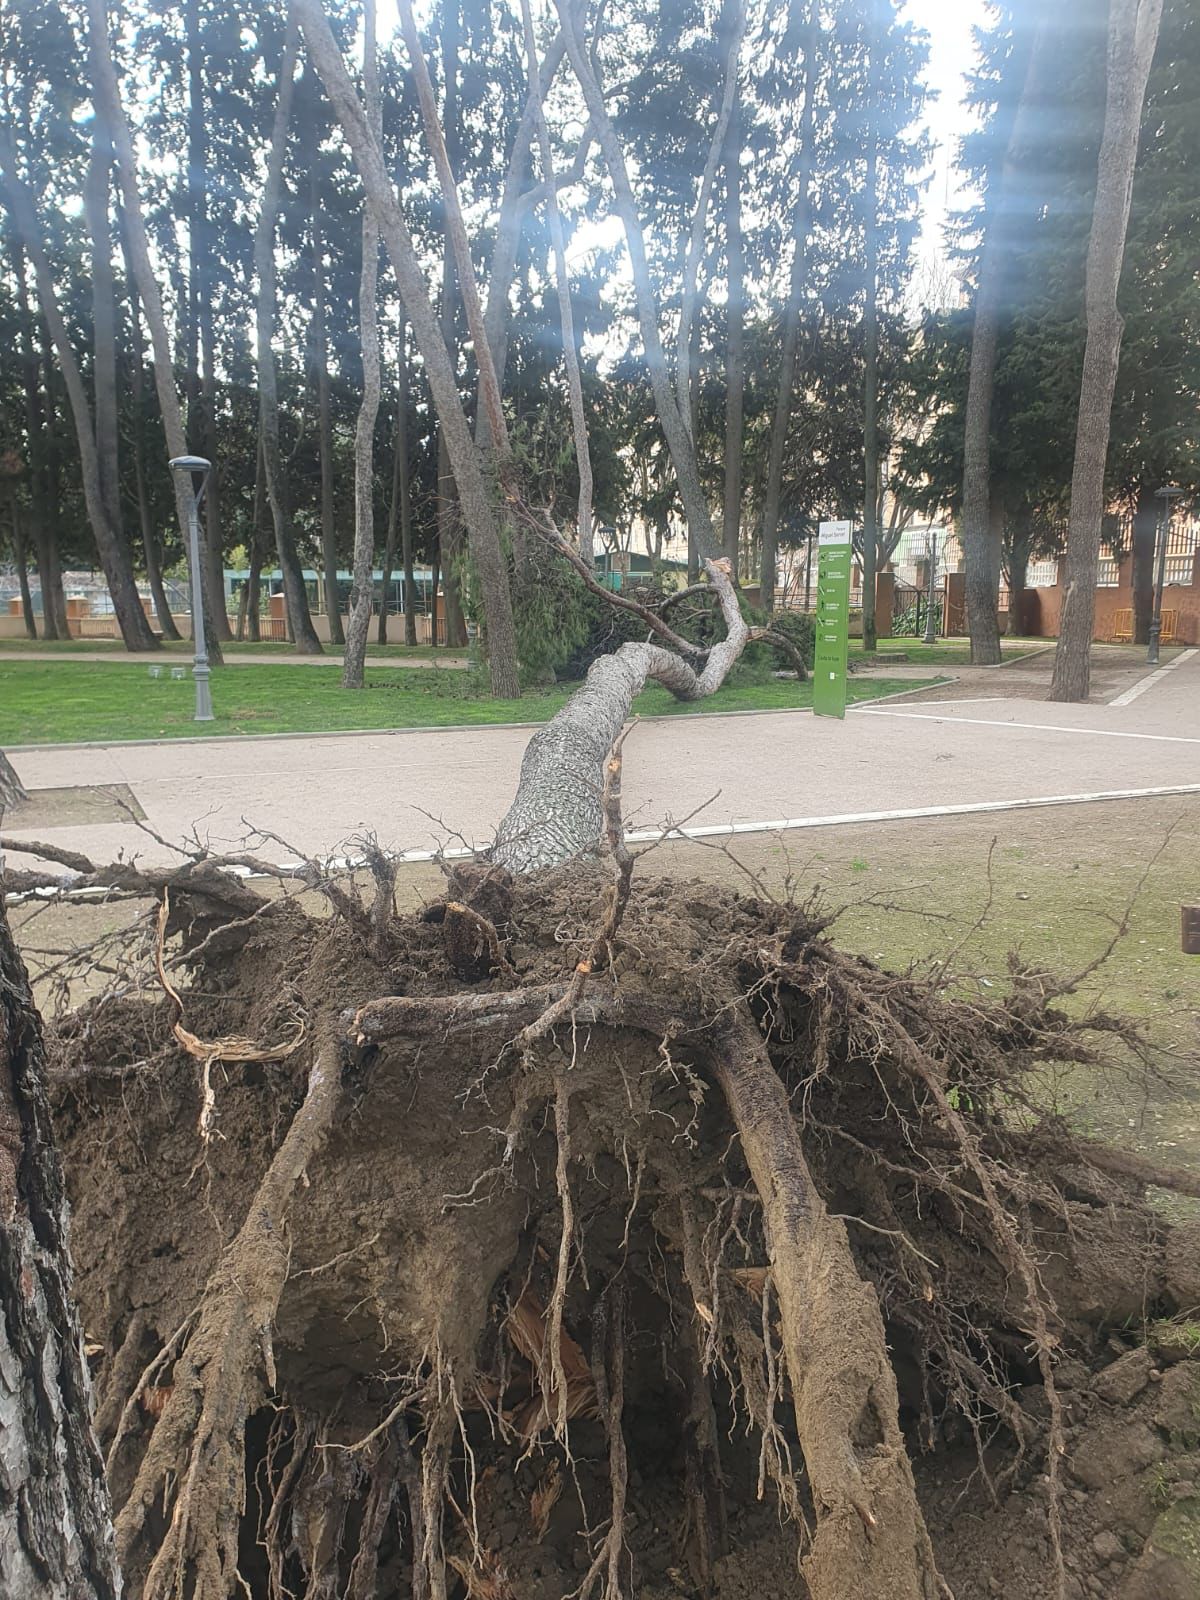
(791, 319)
(44, 544)
(1145, 544)
(202, 387)
(1132, 36)
(671, 418)
(21, 556)
(513, 204)
(474, 495)
(214, 543)
(114, 555)
(108, 105)
(1018, 571)
(320, 356)
(687, 350)
(299, 621)
(104, 323)
(981, 556)
(150, 547)
(399, 489)
(583, 454)
(558, 812)
(735, 341)
(449, 530)
(253, 591)
(871, 338)
(400, 511)
(50, 478)
(368, 412)
(56, 1538)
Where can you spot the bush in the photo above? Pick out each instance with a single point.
(608, 628)
(800, 629)
(910, 623)
(553, 615)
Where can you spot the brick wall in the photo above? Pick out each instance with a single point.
(1042, 608)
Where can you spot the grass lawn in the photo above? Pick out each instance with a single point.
(183, 647)
(44, 702)
(918, 892)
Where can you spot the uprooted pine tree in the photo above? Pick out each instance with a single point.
(586, 1232)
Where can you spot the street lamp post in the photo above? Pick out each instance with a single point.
(196, 469)
(1166, 495)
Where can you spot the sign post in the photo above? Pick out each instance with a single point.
(833, 618)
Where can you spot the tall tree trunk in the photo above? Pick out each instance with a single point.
(735, 341)
(1132, 36)
(583, 455)
(801, 219)
(254, 577)
(406, 528)
(21, 556)
(514, 201)
(104, 323)
(1145, 544)
(34, 441)
(202, 386)
(114, 554)
(871, 335)
(672, 420)
(368, 412)
(1018, 571)
(448, 525)
(981, 556)
(400, 508)
(320, 360)
(51, 501)
(299, 621)
(473, 492)
(150, 545)
(433, 594)
(108, 105)
(393, 521)
(56, 1538)
(687, 345)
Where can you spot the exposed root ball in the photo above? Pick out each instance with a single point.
(559, 1262)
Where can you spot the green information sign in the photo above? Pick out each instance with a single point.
(833, 618)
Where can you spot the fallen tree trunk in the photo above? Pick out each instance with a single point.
(557, 813)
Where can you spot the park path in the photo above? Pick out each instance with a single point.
(931, 754)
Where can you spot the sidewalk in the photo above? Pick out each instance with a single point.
(929, 755)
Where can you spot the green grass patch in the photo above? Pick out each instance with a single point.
(53, 702)
(278, 649)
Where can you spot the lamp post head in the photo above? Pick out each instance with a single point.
(198, 469)
(1168, 493)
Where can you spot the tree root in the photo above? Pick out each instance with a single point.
(219, 1376)
(868, 1521)
(851, 1169)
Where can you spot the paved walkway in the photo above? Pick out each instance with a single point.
(923, 755)
(232, 658)
(1116, 668)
